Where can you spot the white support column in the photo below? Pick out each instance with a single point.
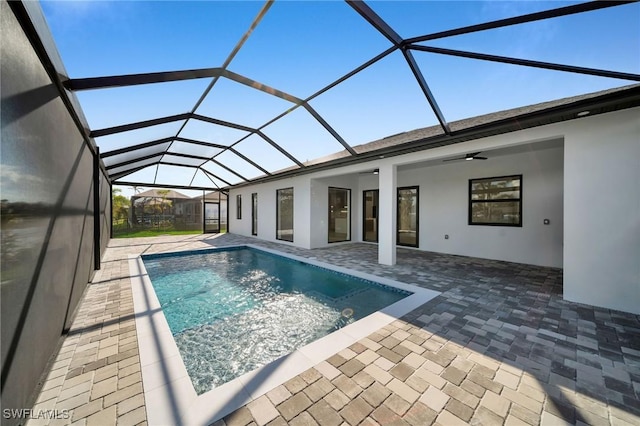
(387, 216)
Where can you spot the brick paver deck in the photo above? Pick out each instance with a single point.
(498, 346)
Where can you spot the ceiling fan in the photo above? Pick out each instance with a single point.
(468, 157)
(369, 172)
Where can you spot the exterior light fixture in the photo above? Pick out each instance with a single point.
(376, 171)
(583, 113)
(468, 158)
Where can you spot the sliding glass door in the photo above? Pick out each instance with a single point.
(284, 214)
(370, 213)
(339, 215)
(407, 232)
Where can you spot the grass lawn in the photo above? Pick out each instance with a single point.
(151, 233)
(121, 230)
(137, 233)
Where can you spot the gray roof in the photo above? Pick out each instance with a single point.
(512, 116)
(160, 193)
(213, 196)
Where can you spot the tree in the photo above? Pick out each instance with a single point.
(120, 205)
(164, 203)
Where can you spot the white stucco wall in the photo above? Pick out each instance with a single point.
(596, 215)
(602, 210)
(267, 210)
(444, 195)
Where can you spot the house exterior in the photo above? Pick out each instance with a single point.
(578, 202)
(155, 206)
(569, 182)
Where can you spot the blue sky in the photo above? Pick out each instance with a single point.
(299, 47)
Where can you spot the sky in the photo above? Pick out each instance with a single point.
(300, 47)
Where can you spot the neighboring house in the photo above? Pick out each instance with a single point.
(157, 205)
(215, 209)
(168, 207)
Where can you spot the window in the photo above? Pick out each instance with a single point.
(284, 214)
(339, 215)
(238, 206)
(254, 214)
(496, 201)
(408, 221)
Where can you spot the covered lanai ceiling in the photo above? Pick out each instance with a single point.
(216, 94)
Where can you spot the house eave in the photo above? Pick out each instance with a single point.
(608, 102)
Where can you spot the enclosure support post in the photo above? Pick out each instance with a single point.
(111, 210)
(226, 196)
(96, 209)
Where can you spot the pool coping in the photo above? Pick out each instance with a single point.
(168, 391)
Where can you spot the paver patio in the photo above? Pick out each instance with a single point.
(498, 346)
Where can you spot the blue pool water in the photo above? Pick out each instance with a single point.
(235, 310)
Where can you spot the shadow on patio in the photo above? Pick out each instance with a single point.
(498, 345)
(546, 356)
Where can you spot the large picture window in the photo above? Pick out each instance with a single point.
(254, 214)
(339, 215)
(408, 219)
(238, 206)
(496, 201)
(284, 214)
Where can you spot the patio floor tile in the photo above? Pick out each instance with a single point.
(499, 344)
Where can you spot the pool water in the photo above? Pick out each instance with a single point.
(234, 310)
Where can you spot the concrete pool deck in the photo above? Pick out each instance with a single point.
(498, 346)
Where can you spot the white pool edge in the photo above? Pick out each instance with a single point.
(169, 394)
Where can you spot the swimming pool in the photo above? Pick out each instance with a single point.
(169, 392)
(237, 309)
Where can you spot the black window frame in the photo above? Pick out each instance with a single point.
(417, 188)
(278, 212)
(239, 207)
(254, 214)
(329, 214)
(503, 200)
